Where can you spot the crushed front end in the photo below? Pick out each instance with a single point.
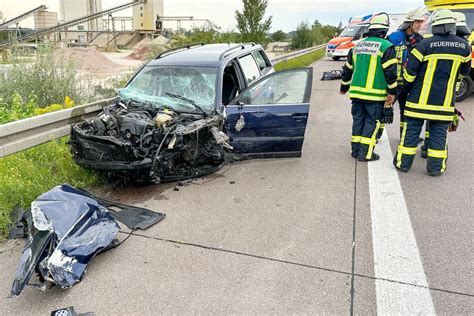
(150, 144)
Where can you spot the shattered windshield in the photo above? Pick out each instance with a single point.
(180, 88)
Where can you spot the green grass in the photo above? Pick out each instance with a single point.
(301, 61)
(26, 175)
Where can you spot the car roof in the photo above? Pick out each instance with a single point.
(210, 55)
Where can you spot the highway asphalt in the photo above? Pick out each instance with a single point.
(289, 235)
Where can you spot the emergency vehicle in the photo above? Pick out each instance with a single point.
(465, 87)
(353, 33)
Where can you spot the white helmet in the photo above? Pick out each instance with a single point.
(442, 17)
(460, 19)
(415, 15)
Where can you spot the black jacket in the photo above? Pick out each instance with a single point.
(431, 75)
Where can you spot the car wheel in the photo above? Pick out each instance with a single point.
(336, 58)
(463, 89)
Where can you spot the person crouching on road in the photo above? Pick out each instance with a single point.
(430, 79)
(405, 39)
(370, 76)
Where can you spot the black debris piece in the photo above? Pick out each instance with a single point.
(19, 229)
(69, 312)
(332, 75)
(133, 217)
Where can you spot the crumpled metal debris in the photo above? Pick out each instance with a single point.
(66, 230)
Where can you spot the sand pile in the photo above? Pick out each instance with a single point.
(147, 48)
(87, 58)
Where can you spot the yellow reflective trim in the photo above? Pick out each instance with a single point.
(380, 53)
(372, 70)
(408, 77)
(346, 83)
(428, 81)
(424, 116)
(417, 54)
(369, 90)
(390, 62)
(393, 85)
(367, 141)
(382, 126)
(402, 142)
(373, 141)
(468, 58)
(366, 97)
(407, 150)
(441, 154)
(427, 134)
(349, 65)
(448, 99)
(356, 139)
(429, 107)
(445, 57)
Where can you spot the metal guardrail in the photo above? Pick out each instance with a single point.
(27, 133)
(292, 55)
(23, 134)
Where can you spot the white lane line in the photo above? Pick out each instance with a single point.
(396, 255)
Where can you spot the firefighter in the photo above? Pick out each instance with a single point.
(430, 79)
(404, 40)
(370, 76)
(462, 30)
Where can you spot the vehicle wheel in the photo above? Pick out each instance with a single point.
(336, 58)
(463, 89)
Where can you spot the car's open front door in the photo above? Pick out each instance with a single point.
(269, 118)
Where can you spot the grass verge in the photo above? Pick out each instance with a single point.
(301, 61)
(26, 175)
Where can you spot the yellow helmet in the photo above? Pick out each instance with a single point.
(415, 15)
(379, 22)
(443, 16)
(460, 19)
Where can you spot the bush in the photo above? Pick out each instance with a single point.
(26, 175)
(50, 78)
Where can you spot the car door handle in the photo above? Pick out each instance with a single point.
(298, 117)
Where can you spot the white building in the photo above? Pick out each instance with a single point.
(144, 15)
(73, 9)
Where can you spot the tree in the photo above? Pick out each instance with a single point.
(303, 37)
(278, 36)
(251, 23)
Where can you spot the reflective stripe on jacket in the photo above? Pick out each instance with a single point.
(403, 46)
(433, 68)
(371, 70)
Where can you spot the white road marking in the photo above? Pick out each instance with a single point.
(396, 255)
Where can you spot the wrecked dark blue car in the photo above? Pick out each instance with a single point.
(186, 112)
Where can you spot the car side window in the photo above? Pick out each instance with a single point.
(275, 89)
(261, 61)
(249, 67)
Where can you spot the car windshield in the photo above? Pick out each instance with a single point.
(179, 88)
(351, 31)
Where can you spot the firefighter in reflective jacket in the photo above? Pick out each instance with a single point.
(370, 76)
(430, 80)
(462, 30)
(404, 40)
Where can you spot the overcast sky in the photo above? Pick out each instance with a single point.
(286, 14)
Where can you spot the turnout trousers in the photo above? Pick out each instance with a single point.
(437, 145)
(365, 126)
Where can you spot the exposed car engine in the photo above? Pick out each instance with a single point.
(149, 144)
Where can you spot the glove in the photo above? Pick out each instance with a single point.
(387, 115)
(455, 123)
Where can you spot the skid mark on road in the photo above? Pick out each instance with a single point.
(396, 254)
